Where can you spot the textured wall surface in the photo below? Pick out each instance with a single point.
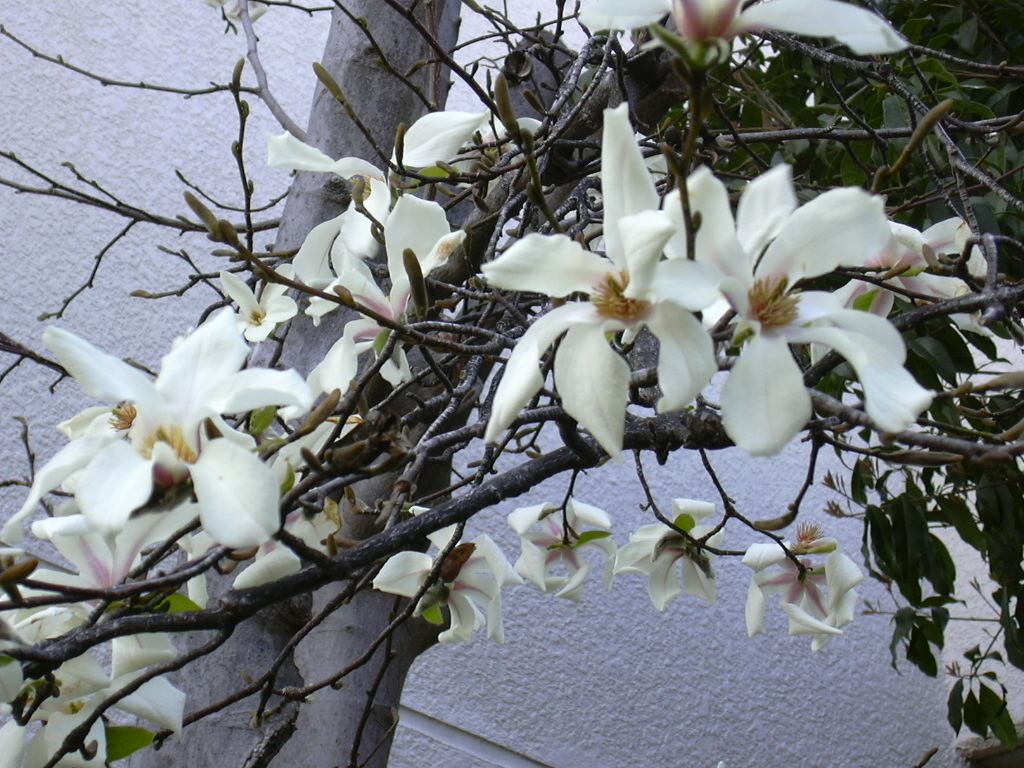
(608, 682)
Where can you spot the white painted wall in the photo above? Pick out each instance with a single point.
(609, 682)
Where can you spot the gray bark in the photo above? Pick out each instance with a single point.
(321, 731)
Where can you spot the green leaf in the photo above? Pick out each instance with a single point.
(262, 419)
(685, 522)
(955, 706)
(178, 603)
(588, 536)
(993, 705)
(124, 740)
(434, 615)
(5, 660)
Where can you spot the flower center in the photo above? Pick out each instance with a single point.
(611, 302)
(257, 316)
(770, 303)
(123, 416)
(808, 533)
(174, 437)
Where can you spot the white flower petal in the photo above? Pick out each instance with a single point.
(755, 609)
(802, 623)
(686, 359)
(862, 31)
(623, 14)
(69, 459)
(664, 586)
(552, 265)
(312, 264)
(157, 701)
(116, 483)
(644, 236)
(258, 387)
(763, 555)
(692, 285)
(715, 242)
(273, 565)
(840, 227)
(439, 136)
(240, 292)
(626, 183)
(286, 151)
(892, 397)
(764, 402)
(767, 201)
(593, 381)
(416, 225)
(521, 519)
(842, 575)
(238, 495)
(588, 514)
(521, 379)
(134, 652)
(100, 375)
(403, 574)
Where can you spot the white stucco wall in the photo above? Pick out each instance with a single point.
(609, 682)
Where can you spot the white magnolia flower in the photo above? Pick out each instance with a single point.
(335, 242)
(470, 585)
(260, 316)
(907, 255)
(415, 225)
(710, 21)
(629, 290)
(655, 550)
(552, 538)
(173, 432)
(233, 8)
(760, 257)
(810, 611)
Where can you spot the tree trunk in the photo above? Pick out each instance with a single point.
(323, 730)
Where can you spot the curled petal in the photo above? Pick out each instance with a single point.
(404, 573)
(439, 137)
(862, 31)
(552, 265)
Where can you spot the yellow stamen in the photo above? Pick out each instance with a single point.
(770, 303)
(123, 416)
(610, 299)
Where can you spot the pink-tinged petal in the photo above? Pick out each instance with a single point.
(841, 227)
(623, 14)
(626, 183)
(404, 573)
(861, 30)
(157, 701)
(286, 151)
(593, 381)
(238, 495)
(521, 379)
(116, 483)
(686, 359)
(767, 201)
(644, 236)
(552, 265)
(764, 402)
(100, 375)
(69, 459)
(440, 136)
